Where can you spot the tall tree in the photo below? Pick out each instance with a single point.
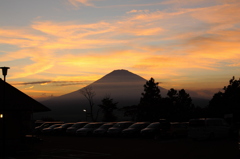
(89, 94)
(148, 109)
(227, 102)
(180, 104)
(108, 106)
(186, 106)
(151, 92)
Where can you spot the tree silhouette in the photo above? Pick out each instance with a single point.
(89, 94)
(180, 105)
(172, 94)
(130, 111)
(108, 106)
(226, 102)
(151, 92)
(148, 108)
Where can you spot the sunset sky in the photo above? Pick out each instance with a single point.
(54, 47)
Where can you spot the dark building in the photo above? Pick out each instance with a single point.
(16, 112)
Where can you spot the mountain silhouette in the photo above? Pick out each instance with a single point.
(122, 86)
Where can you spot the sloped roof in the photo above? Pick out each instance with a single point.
(15, 100)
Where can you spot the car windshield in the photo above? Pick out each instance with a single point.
(92, 125)
(105, 126)
(154, 125)
(78, 125)
(135, 125)
(45, 125)
(66, 125)
(53, 126)
(116, 125)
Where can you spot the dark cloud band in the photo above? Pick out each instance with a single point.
(56, 83)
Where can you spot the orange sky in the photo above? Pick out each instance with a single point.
(58, 47)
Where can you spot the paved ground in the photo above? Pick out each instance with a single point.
(64, 147)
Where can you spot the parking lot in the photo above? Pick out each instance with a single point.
(72, 147)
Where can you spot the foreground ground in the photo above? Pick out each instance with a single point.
(64, 147)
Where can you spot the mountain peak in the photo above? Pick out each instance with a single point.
(121, 75)
(120, 72)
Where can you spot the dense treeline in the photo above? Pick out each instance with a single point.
(177, 106)
(226, 102)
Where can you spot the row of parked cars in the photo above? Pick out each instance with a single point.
(123, 128)
(195, 128)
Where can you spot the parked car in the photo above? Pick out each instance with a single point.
(49, 129)
(38, 123)
(88, 129)
(208, 128)
(153, 130)
(38, 129)
(135, 129)
(72, 129)
(61, 130)
(176, 129)
(102, 130)
(117, 128)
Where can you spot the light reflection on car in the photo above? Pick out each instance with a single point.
(156, 128)
(102, 130)
(72, 129)
(150, 130)
(38, 129)
(49, 129)
(118, 127)
(88, 129)
(61, 130)
(135, 129)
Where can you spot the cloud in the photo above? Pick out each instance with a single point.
(20, 37)
(167, 62)
(30, 87)
(160, 42)
(54, 83)
(78, 3)
(220, 14)
(137, 11)
(234, 64)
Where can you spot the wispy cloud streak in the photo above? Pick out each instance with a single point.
(55, 83)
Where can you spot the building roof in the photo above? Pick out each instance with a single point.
(15, 100)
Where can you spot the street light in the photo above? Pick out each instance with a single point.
(4, 72)
(85, 111)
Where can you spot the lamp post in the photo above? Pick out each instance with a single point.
(85, 111)
(4, 72)
(3, 115)
(87, 114)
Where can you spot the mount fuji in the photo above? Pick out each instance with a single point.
(122, 86)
